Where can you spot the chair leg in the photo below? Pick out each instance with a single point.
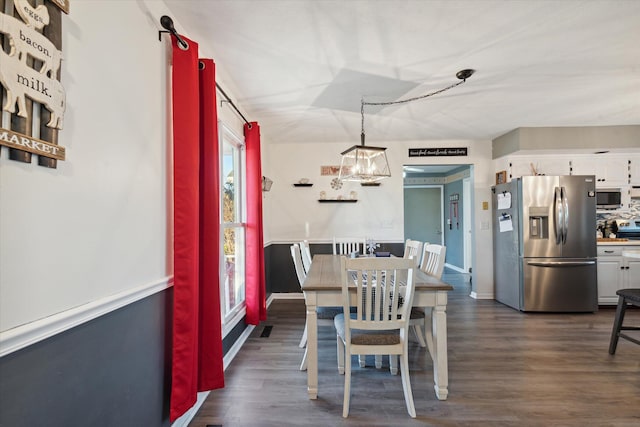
(378, 358)
(617, 324)
(393, 364)
(417, 330)
(341, 350)
(303, 365)
(303, 341)
(347, 386)
(406, 384)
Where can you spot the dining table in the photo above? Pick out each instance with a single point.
(323, 288)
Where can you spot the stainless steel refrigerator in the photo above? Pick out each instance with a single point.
(544, 240)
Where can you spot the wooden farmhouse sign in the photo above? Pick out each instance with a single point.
(30, 77)
(437, 152)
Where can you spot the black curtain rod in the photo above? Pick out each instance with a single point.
(167, 23)
(232, 104)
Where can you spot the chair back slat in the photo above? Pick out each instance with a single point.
(297, 263)
(305, 251)
(347, 245)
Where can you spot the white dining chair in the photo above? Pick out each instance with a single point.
(325, 315)
(432, 263)
(380, 325)
(305, 251)
(413, 249)
(349, 245)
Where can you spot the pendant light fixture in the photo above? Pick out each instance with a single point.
(365, 164)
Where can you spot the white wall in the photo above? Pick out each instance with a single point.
(293, 213)
(97, 225)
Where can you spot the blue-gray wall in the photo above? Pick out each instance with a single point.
(454, 234)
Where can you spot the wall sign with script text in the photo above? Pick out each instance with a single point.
(30, 80)
(437, 152)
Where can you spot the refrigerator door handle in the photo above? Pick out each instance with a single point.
(558, 215)
(565, 209)
(559, 263)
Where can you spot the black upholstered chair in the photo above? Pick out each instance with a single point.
(625, 297)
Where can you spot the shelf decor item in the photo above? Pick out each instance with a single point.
(372, 246)
(303, 182)
(336, 184)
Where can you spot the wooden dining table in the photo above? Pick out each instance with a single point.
(322, 288)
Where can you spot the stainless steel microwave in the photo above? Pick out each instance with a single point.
(608, 198)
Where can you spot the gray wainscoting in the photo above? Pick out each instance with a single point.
(281, 274)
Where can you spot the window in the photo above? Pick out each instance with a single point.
(233, 225)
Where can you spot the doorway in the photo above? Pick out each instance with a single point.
(433, 196)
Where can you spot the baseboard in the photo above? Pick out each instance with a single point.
(458, 269)
(487, 295)
(287, 295)
(33, 332)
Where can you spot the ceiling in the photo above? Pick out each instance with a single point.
(301, 67)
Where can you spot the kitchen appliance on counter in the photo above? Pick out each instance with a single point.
(544, 243)
(628, 228)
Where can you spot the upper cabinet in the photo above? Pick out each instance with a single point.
(610, 171)
(634, 169)
(537, 165)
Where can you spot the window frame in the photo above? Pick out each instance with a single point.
(226, 135)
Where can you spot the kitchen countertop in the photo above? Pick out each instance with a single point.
(619, 243)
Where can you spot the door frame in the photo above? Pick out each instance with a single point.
(466, 219)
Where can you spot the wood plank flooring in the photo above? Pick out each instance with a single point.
(506, 368)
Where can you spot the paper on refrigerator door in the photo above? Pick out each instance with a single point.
(505, 223)
(504, 200)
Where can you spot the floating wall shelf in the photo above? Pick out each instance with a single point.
(303, 185)
(337, 200)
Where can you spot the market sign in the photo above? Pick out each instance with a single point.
(32, 145)
(437, 152)
(29, 76)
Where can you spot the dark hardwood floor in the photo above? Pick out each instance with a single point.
(506, 368)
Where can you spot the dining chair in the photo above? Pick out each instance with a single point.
(305, 251)
(413, 249)
(433, 257)
(325, 314)
(626, 297)
(380, 324)
(349, 245)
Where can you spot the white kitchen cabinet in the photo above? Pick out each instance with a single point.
(553, 165)
(519, 166)
(634, 169)
(616, 272)
(543, 165)
(610, 171)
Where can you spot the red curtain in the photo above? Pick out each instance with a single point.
(210, 362)
(256, 298)
(197, 342)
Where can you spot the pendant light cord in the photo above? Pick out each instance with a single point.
(462, 75)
